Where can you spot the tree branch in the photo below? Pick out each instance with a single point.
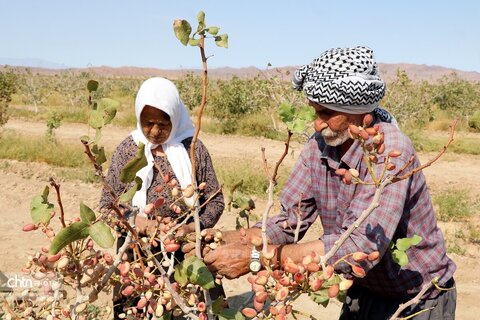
(59, 201)
(430, 162)
(413, 301)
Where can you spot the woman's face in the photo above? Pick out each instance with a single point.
(156, 125)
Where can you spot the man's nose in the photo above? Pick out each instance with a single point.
(319, 124)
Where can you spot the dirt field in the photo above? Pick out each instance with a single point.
(21, 181)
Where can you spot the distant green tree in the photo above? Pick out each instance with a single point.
(34, 87)
(71, 86)
(53, 122)
(410, 103)
(7, 87)
(457, 96)
(234, 98)
(190, 88)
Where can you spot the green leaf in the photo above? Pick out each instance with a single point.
(96, 120)
(194, 42)
(102, 234)
(180, 275)
(286, 112)
(104, 113)
(76, 231)
(400, 257)
(87, 214)
(40, 208)
(306, 113)
(129, 172)
(243, 214)
(297, 125)
(240, 223)
(99, 153)
(201, 21)
(195, 271)
(92, 85)
(182, 30)
(222, 40)
(85, 138)
(320, 297)
(109, 108)
(165, 316)
(405, 243)
(230, 314)
(127, 196)
(212, 30)
(217, 305)
(342, 296)
(254, 217)
(245, 202)
(98, 135)
(392, 245)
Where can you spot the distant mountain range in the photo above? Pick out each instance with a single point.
(31, 62)
(388, 71)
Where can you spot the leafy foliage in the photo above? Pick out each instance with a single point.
(410, 103)
(129, 172)
(474, 121)
(190, 89)
(7, 89)
(53, 122)
(195, 271)
(296, 119)
(40, 208)
(101, 234)
(401, 246)
(457, 96)
(183, 30)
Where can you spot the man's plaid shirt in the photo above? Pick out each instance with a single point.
(405, 209)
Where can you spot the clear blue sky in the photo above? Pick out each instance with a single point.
(139, 33)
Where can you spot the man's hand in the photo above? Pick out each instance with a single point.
(230, 260)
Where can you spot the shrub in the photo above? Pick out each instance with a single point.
(7, 88)
(474, 121)
(410, 103)
(457, 96)
(233, 99)
(190, 89)
(453, 205)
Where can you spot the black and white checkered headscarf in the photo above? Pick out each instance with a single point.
(342, 79)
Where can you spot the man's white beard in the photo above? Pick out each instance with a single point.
(333, 138)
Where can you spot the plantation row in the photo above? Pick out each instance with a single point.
(241, 106)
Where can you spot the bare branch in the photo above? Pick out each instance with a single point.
(285, 152)
(59, 201)
(299, 219)
(413, 301)
(430, 162)
(373, 205)
(271, 186)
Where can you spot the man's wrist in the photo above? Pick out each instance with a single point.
(255, 260)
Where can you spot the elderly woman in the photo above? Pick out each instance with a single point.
(165, 128)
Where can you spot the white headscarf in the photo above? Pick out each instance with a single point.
(162, 94)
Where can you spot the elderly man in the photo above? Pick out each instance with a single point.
(343, 85)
